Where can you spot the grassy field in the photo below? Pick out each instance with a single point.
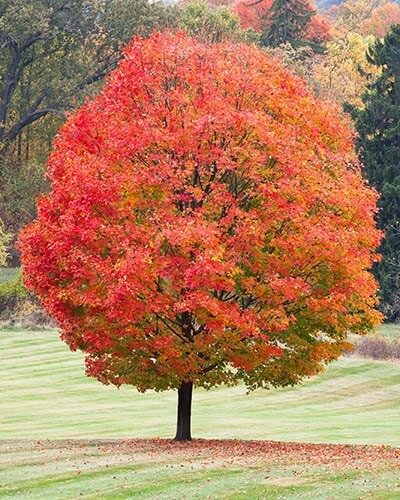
(355, 401)
(61, 432)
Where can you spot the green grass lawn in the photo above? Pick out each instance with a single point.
(45, 394)
(52, 418)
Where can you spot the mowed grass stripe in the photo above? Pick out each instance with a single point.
(44, 394)
(34, 359)
(86, 477)
(370, 392)
(37, 476)
(253, 484)
(143, 481)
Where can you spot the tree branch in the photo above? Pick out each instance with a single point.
(209, 368)
(29, 118)
(165, 322)
(99, 74)
(31, 40)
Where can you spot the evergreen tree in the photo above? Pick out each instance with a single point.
(288, 21)
(378, 126)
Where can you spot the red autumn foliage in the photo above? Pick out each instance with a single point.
(319, 29)
(254, 15)
(206, 213)
(251, 13)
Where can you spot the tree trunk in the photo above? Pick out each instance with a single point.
(184, 412)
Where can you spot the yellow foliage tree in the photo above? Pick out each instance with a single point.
(343, 74)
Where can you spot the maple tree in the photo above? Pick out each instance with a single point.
(207, 224)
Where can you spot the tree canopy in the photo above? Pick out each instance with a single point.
(207, 223)
(53, 49)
